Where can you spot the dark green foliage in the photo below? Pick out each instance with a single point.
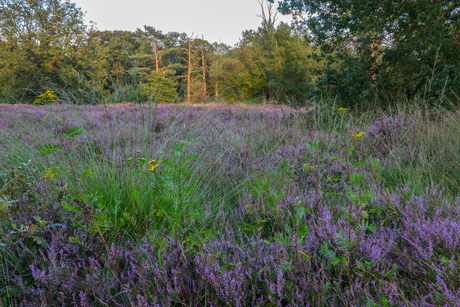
(162, 89)
(290, 70)
(38, 39)
(415, 47)
(119, 45)
(270, 64)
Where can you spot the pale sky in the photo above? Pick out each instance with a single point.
(222, 20)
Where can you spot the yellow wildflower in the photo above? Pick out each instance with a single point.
(138, 151)
(46, 98)
(358, 135)
(151, 162)
(343, 109)
(153, 167)
(130, 159)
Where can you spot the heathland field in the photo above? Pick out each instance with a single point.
(228, 205)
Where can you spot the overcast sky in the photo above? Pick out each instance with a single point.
(222, 20)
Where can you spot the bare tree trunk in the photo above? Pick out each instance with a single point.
(157, 58)
(190, 62)
(374, 75)
(203, 71)
(189, 71)
(269, 17)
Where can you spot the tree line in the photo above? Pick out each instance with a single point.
(358, 52)
(385, 50)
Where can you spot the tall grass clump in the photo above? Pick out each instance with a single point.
(172, 205)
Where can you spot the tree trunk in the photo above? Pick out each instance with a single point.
(374, 75)
(203, 70)
(157, 58)
(189, 61)
(189, 71)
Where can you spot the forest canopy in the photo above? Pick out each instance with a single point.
(45, 45)
(355, 51)
(391, 48)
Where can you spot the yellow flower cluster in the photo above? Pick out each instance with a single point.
(46, 98)
(153, 166)
(358, 135)
(343, 109)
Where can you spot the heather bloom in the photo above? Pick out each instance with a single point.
(254, 250)
(387, 133)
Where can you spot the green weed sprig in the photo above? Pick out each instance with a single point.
(63, 135)
(178, 205)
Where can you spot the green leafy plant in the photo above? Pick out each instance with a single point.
(63, 135)
(179, 205)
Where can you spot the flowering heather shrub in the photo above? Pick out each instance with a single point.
(269, 217)
(384, 134)
(409, 258)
